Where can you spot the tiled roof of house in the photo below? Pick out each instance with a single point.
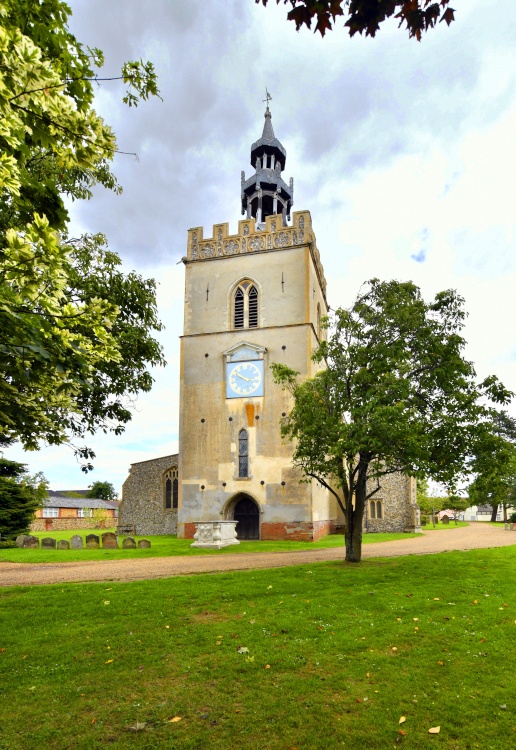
(59, 501)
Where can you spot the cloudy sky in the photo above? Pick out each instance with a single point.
(402, 151)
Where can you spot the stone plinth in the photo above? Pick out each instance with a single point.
(215, 534)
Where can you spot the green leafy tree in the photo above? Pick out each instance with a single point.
(429, 504)
(102, 491)
(365, 16)
(20, 496)
(396, 395)
(75, 333)
(494, 466)
(457, 504)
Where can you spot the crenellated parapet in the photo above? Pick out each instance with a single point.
(250, 239)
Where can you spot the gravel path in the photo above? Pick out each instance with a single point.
(474, 536)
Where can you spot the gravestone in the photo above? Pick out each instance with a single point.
(63, 544)
(143, 544)
(48, 543)
(20, 540)
(76, 542)
(31, 542)
(129, 543)
(92, 541)
(109, 540)
(445, 519)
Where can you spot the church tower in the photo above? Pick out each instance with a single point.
(251, 298)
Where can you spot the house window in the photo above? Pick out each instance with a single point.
(245, 306)
(85, 512)
(171, 489)
(243, 454)
(50, 513)
(375, 509)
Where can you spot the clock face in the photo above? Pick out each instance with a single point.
(244, 379)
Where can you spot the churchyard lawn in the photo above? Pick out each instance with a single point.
(314, 657)
(166, 546)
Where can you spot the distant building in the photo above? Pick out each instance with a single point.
(61, 513)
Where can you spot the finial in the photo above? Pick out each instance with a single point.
(267, 99)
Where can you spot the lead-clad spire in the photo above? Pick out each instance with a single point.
(266, 193)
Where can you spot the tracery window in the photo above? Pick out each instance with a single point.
(245, 306)
(243, 454)
(171, 488)
(375, 509)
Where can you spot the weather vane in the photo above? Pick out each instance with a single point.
(268, 98)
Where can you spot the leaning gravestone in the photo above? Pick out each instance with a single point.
(129, 543)
(48, 543)
(445, 519)
(63, 544)
(76, 542)
(20, 540)
(92, 541)
(143, 544)
(109, 540)
(31, 542)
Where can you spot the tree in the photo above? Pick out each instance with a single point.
(493, 464)
(20, 496)
(365, 16)
(102, 491)
(396, 395)
(428, 504)
(457, 505)
(75, 333)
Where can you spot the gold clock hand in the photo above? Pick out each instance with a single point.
(241, 376)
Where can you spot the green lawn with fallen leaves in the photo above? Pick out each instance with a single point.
(315, 657)
(169, 545)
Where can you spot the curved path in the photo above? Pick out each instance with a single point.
(474, 536)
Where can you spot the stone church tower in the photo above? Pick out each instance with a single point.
(251, 298)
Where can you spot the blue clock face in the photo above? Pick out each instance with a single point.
(244, 379)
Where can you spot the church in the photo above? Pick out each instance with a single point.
(251, 298)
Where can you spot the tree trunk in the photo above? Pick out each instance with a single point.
(495, 511)
(353, 534)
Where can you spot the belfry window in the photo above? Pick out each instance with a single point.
(243, 454)
(245, 306)
(171, 489)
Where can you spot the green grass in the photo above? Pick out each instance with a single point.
(336, 654)
(445, 527)
(166, 546)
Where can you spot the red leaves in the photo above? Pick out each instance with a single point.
(367, 15)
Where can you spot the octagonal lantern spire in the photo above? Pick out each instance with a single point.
(265, 193)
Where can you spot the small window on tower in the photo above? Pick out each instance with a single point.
(243, 454)
(245, 306)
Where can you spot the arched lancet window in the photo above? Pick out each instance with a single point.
(243, 454)
(375, 509)
(318, 321)
(245, 306)
(171, 489)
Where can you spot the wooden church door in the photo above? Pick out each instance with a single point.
(248, 517)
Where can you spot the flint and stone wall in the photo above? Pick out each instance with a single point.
(143, 498)
(399, 508)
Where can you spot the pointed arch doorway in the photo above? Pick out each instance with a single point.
(247, 513)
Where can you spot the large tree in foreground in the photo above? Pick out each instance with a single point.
(365, 16)
(76, 335)
(395, 395)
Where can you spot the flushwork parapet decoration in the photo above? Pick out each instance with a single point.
(250, 239)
